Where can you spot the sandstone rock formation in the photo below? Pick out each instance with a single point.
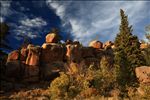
(143, 74)
(24, 52)
(33, 57)
(73, 53)
(52, 52)
(51, 38)
(96, 44)
(14, 55)
(32, 63)
(87, 52)
(143, 46)
(107, 44)
(13, 68)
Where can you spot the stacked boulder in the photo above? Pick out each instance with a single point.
(45, 62)
(32, 63)
(73, 53)
(23, 64)
(52, 57)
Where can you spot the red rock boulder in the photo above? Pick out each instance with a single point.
(108, 44)
(24, 54)
(74, 53)
(33, 57)
(96, 44)
(143, 74)
(52, 52)
(143, 45)
(14, 55)
(52, 38)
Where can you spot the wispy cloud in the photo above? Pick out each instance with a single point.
(35, 22)
(23, 25)
(4, 9)
(30, 27)
(90, 20)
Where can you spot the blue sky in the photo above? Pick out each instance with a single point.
(80, 20)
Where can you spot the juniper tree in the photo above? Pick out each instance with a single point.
(128, 55)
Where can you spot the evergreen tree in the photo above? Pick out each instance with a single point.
(128, 55)
(146, 51)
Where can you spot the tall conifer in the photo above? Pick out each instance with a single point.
(128, 55)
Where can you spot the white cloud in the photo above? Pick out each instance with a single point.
(4, 9)
(35, 22)
(27, 27)
(1, 19)
(98, 18)
(23, 26)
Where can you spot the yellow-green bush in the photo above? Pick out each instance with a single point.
(82, 82)
(59, 87)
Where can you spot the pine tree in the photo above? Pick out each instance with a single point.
(127, 53)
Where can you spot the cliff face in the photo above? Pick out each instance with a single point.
(32, 63)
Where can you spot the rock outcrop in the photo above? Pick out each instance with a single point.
(52, 52)
(143, 74)
(73, 53)
(143, 45)
(33, 57)
(52, 38)
(96, 44)
(32, 63)
(14, 55)
(107, 44)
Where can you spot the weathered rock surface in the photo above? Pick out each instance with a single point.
(50, 71)
(32, 63)
(24, 53)
(51, 38)
(87, 52)
(14, 55)
(13, 68)
(52, 52)
(92, 61)
(73, 53)
(31, 73)
(96, 44)
(33, 57)
(143, 74)
(143, 45)
(107, 44)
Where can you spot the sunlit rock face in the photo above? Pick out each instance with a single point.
(143, 45)
(52, 38)
(14, 55)
(33, 57)
(96, 44)
(24, 53)
(143, 74)
(108, 44)
(52, 52)
(73, 53)
(32, 63)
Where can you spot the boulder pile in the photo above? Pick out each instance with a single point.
(33, 63)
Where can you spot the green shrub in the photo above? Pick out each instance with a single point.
(80, 82)
(59, 87)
